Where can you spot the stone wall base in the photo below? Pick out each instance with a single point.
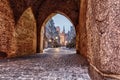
(95, 75)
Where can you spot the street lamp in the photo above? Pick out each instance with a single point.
(56, 37)
(50, 43)
(66, 43)
(50, 40)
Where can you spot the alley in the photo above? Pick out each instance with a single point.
(52, 64)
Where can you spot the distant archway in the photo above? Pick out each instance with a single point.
(43, 27)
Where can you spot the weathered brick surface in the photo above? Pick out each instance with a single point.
(26, 34)
(103, 33)
(99, 39)
(81, 30)
(41, 10)
(6, 28)
(68, 7)
(44, 8)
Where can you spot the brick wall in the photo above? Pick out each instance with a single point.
(7, 42)
(26, 34)
(103, 33)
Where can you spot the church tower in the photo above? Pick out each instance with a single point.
(63, 30)
(62, 37)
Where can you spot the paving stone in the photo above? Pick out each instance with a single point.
(46, 66)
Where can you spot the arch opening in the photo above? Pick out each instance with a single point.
(58, 31)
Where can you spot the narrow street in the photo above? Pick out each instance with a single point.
(52, 64)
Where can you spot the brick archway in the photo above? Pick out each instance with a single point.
(71, 10)
(43, 8)
(97, 28)
(25, 34)
(44, 23)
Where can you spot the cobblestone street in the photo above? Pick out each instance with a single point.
(53, 64)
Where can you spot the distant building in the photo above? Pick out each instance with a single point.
(54, 37)
(62, 37)
(51, 34)
(58, 33)
(67, 37)
(58, 29)
(71, 33)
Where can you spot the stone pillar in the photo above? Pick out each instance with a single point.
(103, 34)
(77, 39)
(7, 40)
(82, 28)
(41, 39)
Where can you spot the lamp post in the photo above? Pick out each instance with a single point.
(56, 38)
(56, 41)
(50, 40)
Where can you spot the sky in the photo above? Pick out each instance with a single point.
(61, 21)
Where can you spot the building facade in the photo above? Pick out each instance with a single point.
(71, 34)
(68, 37)
(51, 38)
(62, 37)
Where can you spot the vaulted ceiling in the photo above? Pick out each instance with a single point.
(46, 7)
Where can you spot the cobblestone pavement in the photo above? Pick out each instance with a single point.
(53, 64)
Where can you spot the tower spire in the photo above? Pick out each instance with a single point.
(63, 29)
